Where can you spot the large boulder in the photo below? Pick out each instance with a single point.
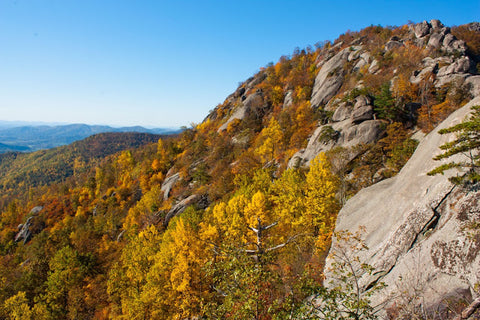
(421, 29)
(362, 110)
(374, 67)
(393, 44)
(329, 79)
(474, 83)
(343, 112)
(435, 40)
(416, 229)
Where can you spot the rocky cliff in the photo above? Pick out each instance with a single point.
(417, 230)
(445, 61)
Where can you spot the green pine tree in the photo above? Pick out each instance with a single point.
(467, 143)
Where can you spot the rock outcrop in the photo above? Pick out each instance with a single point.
(455, 66)
(352, 125)
(417, 229)
(249, 104)
(200, 201)
(329, 79)
(31, 226)
(168, 184)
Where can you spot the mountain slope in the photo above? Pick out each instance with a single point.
(57, 164)
(233, 217)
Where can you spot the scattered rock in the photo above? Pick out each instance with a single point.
(462, 65)
(355, 52)
(362, 61)
(362, 113)
(436, 24)
(364, 133)
(362, 110)
(349, 135)
(418, 76)
(451, 78)
(474, 26)
(451, 44)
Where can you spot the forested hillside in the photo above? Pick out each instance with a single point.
(30, 137)
(232, 218)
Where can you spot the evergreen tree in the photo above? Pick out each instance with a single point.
(466, 144)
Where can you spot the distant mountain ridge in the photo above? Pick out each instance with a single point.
(37, 137)
(57, 164)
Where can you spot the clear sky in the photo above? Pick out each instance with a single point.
(167, 63)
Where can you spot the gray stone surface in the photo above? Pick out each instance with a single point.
(168, 184)
(32, 226)
(362, 113)
(343, 112)
(24, 232)
(474, 82)
(288, 100)
(194, 199)
(435, 40)
(36, 210)
(462, 65)
(329, 79)
(349, 135)
(415, 227)
(374, 67)
(252, 101)
(421, 29)
(363, 60)
(436, 24)
(390, 45)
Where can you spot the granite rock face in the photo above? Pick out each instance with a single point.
(31, 226)
(353, 125)
(329, 79)
(249, 104)
(416, 229)
(194, 199)
(168, 184)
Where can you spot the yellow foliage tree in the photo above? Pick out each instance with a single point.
(270, 141)
(321, 203)
(176, 280)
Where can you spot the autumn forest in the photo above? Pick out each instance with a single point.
(219, 221)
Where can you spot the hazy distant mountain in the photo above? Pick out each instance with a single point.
(7, 148)
(36, 137)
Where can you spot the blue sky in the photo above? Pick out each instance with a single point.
(166, 63)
